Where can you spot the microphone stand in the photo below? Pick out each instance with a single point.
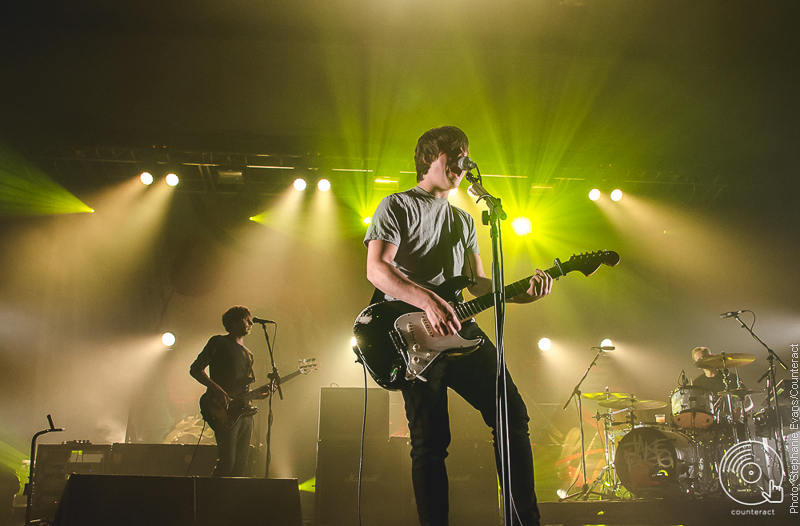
(774, 406)
(492, 218)
(576, 392)
(274, 378)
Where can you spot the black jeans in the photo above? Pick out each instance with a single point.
(473, 377)
(233, 448)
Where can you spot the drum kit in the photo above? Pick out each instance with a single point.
(680, 456)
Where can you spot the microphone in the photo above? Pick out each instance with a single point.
(262, 321)
(730, 314)
(466, 164)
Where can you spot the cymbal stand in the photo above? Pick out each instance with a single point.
(607, 477)
(576, 393)
(780, 441)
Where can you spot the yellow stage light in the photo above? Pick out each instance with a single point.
(594, 194)
(173, 179)
(146, 178)
(168, 339)
(616, 195)
(299, 184)
(324, 185)
(522, 226)
(545, 344)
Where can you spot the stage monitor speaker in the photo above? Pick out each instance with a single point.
(341, 414)
(130, 500)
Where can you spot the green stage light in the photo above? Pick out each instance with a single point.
(25, 190)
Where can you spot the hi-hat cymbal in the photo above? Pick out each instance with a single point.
(624, 403)
(724, 361)
(605, 395)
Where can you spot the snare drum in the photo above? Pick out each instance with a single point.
(692, 407)
(655, 462)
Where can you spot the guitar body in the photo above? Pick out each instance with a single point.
(219, 418)
(396, 343)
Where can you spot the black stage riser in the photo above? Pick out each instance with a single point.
(123, 500)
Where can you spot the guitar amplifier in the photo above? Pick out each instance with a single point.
(162, 459)
(341, 414)
(54, 465)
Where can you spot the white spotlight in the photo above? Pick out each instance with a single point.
(299, 184)
(616, 195)
(324, 185)
(168, 339)
(594, 194)
(545, 344)
(173, 179)
(146, 178)
(607, 343)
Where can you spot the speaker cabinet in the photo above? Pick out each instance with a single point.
(386, 494)
(130, 500)
(341, 414)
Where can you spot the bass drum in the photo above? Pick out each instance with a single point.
(653, 462)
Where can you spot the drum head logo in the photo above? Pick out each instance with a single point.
(751, 473)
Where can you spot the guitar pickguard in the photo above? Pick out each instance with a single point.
(423, 347)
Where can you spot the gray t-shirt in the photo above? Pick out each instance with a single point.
(432, 237)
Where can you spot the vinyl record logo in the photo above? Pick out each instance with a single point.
(751, 473)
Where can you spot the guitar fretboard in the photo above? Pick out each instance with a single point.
(468, 309)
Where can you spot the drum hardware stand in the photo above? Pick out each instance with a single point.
(770, 376)
(576, 393)
(607, 477)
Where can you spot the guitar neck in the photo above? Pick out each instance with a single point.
(468, 309)
(249, 395)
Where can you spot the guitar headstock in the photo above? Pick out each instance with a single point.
(306, 365)
(587, 264)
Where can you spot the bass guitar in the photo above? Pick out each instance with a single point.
(220, 418)
(397, 344)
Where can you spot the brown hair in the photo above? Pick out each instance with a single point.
(435, 141)
(235, 313)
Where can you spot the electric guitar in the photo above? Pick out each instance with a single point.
(220, 418)
(397, 343)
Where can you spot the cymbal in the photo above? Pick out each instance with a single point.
(633, 402)
(724, 361)
(740, 392)
(605, 395)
